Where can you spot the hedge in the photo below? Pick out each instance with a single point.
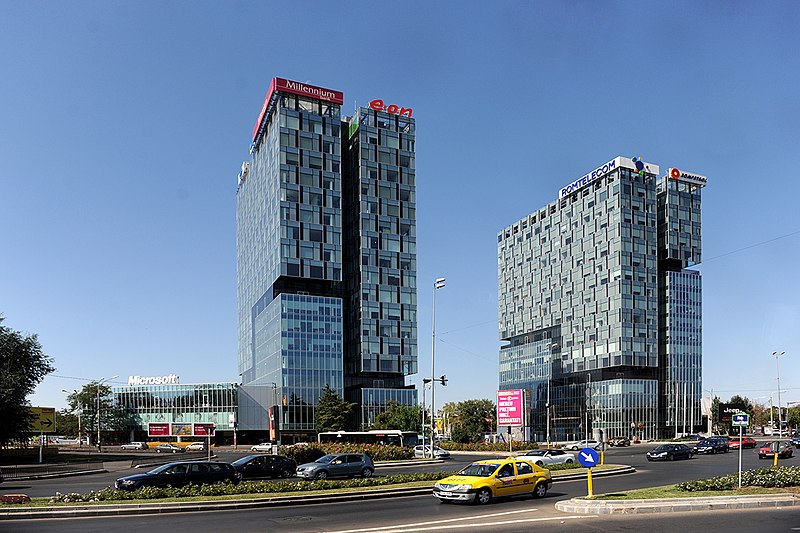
(245, 487)
(782, 476)
(489, 447)
(307, 453)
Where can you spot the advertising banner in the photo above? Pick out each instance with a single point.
(509, 407)
(727, 410)
(182, 430)
(157, 430)
(203, 430)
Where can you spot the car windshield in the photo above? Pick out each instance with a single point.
(479, 470)
(662, 448)
(326, 459)
(535, 452)
(244, 460)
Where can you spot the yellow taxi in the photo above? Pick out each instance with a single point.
(492, 478)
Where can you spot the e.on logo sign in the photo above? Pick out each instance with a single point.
(392, 109)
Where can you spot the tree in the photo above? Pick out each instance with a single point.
(23, 365)
(332, 413)
(473, 417)
(113, 417)
(399, 416)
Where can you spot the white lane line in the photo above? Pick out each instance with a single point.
(440, 521)
(449, 523)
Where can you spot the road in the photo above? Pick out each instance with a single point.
(425, 513)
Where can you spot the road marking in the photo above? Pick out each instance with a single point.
(449, 523)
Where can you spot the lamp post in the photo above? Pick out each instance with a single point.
(778, 372)
(425, 382)
(80, 412)
(549, 379)
(100, 382)
(437, 284)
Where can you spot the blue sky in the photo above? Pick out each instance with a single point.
(124, 126)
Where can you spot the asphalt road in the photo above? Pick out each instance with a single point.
(425, 513)
(699, 467)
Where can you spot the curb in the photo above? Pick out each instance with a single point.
(52, 476)
(599, 473)
(179, 507)
(675, 505)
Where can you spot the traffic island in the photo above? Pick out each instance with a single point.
(675, 505)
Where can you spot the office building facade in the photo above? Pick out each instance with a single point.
(311, 279)
(590, 288)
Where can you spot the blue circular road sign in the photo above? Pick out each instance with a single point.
(588, 457)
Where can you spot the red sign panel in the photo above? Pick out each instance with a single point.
(295, 87)
(392, 109)
(157, 430)
(509, 407)
(203, 430)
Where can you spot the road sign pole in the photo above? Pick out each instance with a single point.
(740, 457)
(589, 480)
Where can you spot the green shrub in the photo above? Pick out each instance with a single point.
(246, 487)
(377, 452)
(489, 447)
(782, 476)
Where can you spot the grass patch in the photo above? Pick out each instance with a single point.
(670, 491)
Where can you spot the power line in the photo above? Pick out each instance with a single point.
(749, 247)
(492, 321)
(465, 350)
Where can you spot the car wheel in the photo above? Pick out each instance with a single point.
(671, 457)
(539, 463)
(540, 490)
(367, 472)
(569, 461)
(483, 496)
(322, 474)
(287, 473)
(158, 451)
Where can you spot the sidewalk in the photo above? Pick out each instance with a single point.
(675, 505)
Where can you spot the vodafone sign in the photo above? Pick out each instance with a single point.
(688, 177)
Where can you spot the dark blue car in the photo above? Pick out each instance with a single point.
(180, 474)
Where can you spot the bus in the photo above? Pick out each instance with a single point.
(393, 437)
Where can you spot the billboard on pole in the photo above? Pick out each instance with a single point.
(509, 407)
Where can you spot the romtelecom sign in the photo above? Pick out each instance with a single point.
(170, 379)
(602, 170)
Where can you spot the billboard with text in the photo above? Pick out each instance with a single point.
(509, 407)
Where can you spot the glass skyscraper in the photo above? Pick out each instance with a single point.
(591, 287)
(326, 258)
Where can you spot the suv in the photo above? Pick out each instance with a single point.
(712, 445)
(338, 464)
(483, 480)
(180, 474)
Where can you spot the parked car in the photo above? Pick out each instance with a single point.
(482, 481)
(619, 441)
(670, 452)
(747, 442)
(796, 441)
(260, 465)
(548, 457)
(781, 447)
(196, 446)
(581, 444)
(134, 446)
(337, 464)
(712, 445)
(169, 448)
(425, 451)
(180, 474)
(263, 447)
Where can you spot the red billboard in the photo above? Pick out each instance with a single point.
(509, 407)
(158, 430)
(295, 87)
(203, 430)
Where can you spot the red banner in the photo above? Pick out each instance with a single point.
(158, 430)
(203, 430)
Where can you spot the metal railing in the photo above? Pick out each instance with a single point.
(27, 471)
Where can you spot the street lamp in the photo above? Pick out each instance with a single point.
(100, 382)
(80, 412)
(425, 382)
(778, 372)
(549, 379)
(437, 284)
